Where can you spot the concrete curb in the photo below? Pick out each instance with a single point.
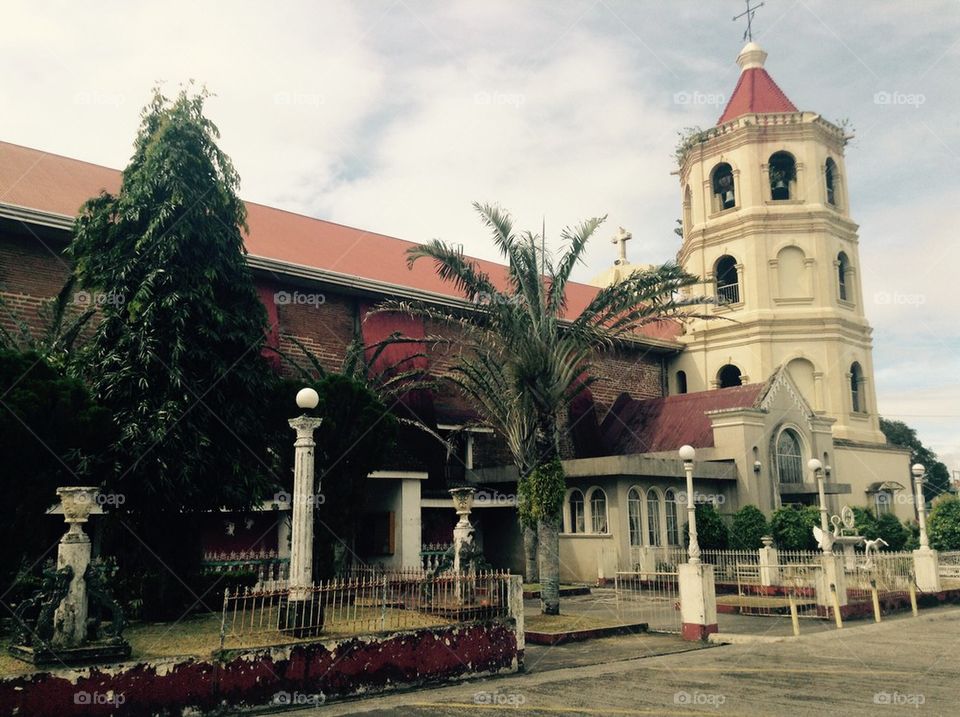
(562, 638)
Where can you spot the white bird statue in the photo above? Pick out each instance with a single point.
(873, 546)
(824, 539)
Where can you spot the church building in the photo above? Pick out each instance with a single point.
(780, 372)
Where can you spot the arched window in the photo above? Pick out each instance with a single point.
(673, 528)
(681, 381)
(653, 518)
(830, 179)
(843, 267)
(856, 386)
(723, 190)
(789, 457)
(729, 376)
(783, 173)
(634, 517)
(598, 511)
(577, 523)
(687, 211)
(727, 280)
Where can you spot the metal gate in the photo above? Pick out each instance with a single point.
(650, 597)
(774, 591)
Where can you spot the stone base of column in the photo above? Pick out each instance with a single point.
(70, 617)
(108, 651)
(698, 601)
(301, 618)
(926, 567)
(831, 573)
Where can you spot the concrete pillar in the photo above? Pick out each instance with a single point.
(283, 536)
(70, 618)
(410, 527)
(301, 522)
(698, 601)
(831, 573)
(926, 568)
(849, 556)
(769, 563)
(515, 609)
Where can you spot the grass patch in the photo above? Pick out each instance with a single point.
(199, 635)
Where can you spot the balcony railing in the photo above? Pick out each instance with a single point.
(728, 294)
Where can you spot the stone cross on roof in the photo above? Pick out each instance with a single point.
(622, 237)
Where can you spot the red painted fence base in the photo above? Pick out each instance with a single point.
(694, 632)
(300, 674)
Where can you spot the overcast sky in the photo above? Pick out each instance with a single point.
(394, 116)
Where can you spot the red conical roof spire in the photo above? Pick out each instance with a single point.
(756, 92)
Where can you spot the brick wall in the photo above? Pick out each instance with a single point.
(32, 271)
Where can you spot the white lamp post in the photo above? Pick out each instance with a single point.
(816, 467)
(301, 519)
(918, 474)
(687, 454)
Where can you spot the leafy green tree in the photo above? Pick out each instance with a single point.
(937, 479)
(525, 361)
(895, 533)
(749, 526)
(792, 527)
(945, 524)
(865, 523)
(712, 532)
(51, 434)
(176, 357)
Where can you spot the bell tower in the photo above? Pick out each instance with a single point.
(766, 224)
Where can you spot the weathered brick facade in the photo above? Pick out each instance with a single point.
(324, 319)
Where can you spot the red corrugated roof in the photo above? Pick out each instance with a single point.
(755, 93)
(665, 424)
(52, 183)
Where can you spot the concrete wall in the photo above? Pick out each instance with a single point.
(862, 465)
(301, 674)
(400, 496)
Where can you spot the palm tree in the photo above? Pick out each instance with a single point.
(526, 361)
(61, 333)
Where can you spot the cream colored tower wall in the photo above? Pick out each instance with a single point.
(786, 254)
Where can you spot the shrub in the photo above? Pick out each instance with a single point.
(712, 533)
(945, 525)
(865, 524)
(749, 526)
(895, 533)
(792, 527)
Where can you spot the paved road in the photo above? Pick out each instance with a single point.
(906, 666)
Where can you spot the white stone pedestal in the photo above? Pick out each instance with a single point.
(927, 569)
(769, 566)
(70, 618)
(831, 573)
(698, 601)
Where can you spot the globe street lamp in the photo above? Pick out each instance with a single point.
(301, 518)
(816, 467)
(687, 454)
(918, 475)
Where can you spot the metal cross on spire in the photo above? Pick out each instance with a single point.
(748, 13)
